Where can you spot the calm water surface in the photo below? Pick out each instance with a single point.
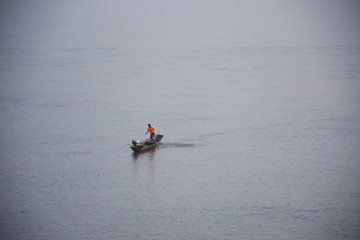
(261, 136)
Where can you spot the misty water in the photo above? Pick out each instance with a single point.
(261, 126)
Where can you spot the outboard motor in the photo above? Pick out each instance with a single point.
(135, 143)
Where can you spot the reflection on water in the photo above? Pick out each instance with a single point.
(146, 169)
(149, 154)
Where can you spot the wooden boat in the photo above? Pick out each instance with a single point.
(146, 144)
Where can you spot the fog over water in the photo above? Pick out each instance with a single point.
(258, 102)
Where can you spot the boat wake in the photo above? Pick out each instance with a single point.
(176, 145)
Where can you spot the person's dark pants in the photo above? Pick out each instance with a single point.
(152, 136)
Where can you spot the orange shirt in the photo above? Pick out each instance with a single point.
(151, 129)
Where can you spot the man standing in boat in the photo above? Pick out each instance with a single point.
(152, 131)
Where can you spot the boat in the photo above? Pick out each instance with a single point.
(146, 144)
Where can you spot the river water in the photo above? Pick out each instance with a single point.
(261, 130)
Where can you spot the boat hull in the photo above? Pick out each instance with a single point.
(146, 144)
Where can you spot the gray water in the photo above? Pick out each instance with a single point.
(258, 105)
